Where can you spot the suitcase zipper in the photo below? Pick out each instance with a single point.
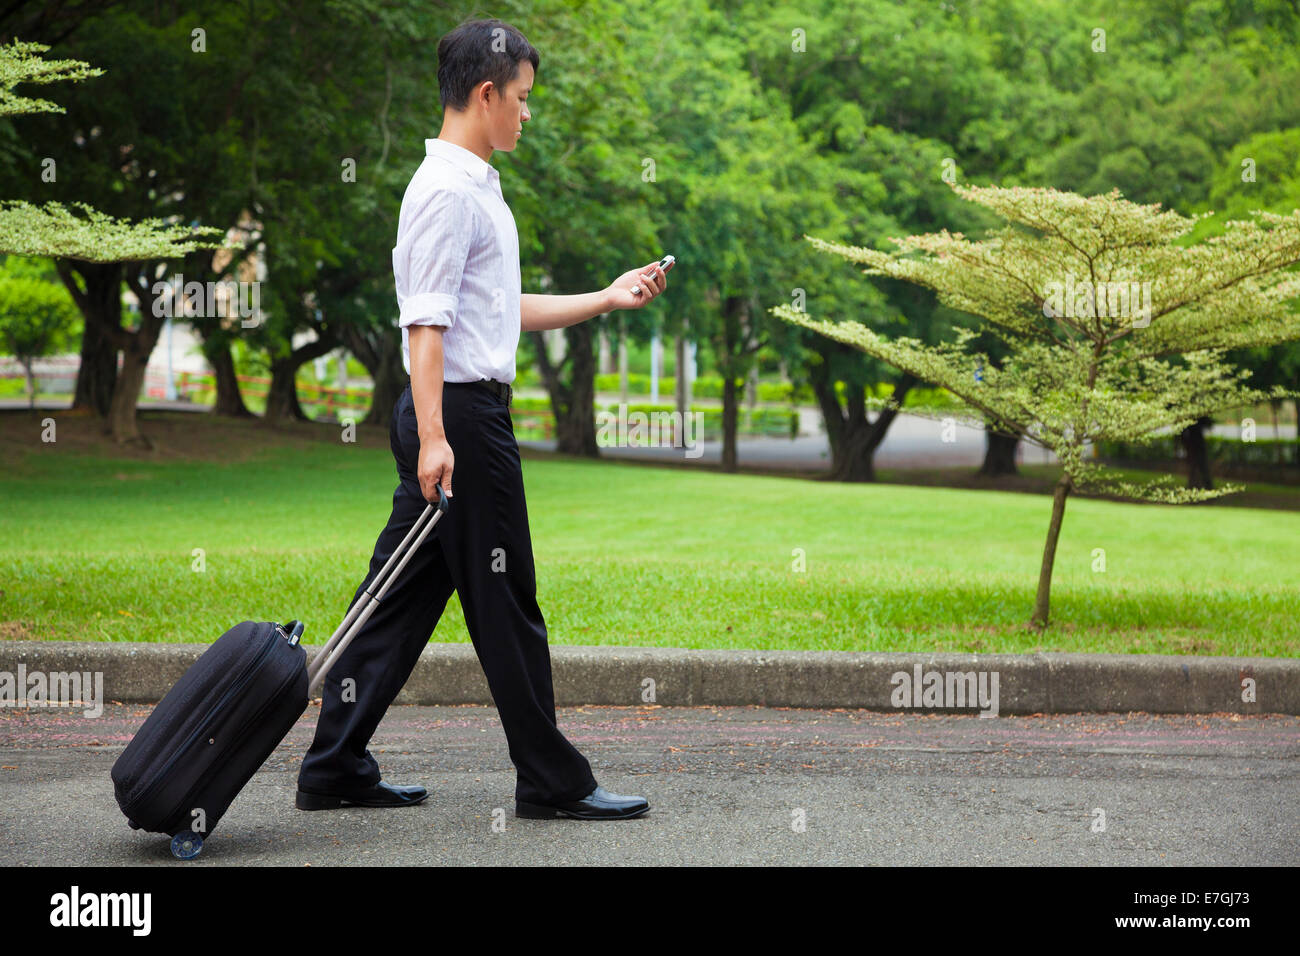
(198, 731)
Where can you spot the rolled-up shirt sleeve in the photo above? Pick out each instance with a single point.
(439, 246)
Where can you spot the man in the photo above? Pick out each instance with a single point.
(456, 266)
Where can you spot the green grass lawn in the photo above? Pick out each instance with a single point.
(96, 544)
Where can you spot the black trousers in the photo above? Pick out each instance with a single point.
(481, 549)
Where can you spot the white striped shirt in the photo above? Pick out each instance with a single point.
(456, 264)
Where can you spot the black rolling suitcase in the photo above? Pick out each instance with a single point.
(225, 716)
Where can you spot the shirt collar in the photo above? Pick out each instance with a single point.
(474, 166)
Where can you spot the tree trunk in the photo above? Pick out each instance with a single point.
(219, 330)
(853, 438)
(735, 345)
(98, 371)
(126, 394)
(999, 454)
(729, 416)
(575, 430)
(31, 384)
(727, 366)
(1042, 600)
(857, 461)
(282, 394)
(1274, 405)
(1198, 457)
(136, 348)
(101, 305)
(230, 401)
(101, 309)
(389, 378)
(573, 403)
(679, 386)
(823, 389)
(379, 349)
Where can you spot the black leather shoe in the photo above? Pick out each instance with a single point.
(380, 795)
(600, 804)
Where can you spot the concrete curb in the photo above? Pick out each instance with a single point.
(1026, 683)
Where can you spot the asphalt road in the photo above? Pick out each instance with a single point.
(726, 785)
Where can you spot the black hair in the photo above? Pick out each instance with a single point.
(477, 51)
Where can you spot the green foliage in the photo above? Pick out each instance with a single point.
(1139, 123)
(93, 236)
(1262, 172)
(35, 317)
(753, 142)
(1092, 367)
(55, 230)
(22, 62)
(1262, 452)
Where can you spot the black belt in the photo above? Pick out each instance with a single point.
(501, 390)
(498, 388)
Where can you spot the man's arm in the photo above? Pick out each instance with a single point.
(437, 251)
(436, 459)
(540, 312)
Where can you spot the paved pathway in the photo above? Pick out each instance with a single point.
(726, 784)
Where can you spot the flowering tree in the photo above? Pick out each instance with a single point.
(1114, 325)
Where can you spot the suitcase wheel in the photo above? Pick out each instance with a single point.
(187, 845)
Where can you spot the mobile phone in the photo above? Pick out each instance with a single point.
(665, 263)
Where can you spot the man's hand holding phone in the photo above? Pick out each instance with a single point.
(633, 289)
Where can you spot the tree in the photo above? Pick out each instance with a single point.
(1159, 71)
(53, 229)
(1263, 172)
(1139, 124)
(740, 178)
(576, 186)
(1115, 328)
(903, 97)
(94, 242)
(35, 316)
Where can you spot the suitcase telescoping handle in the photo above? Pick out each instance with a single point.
(365, 605)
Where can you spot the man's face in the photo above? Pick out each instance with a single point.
(509, 110)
